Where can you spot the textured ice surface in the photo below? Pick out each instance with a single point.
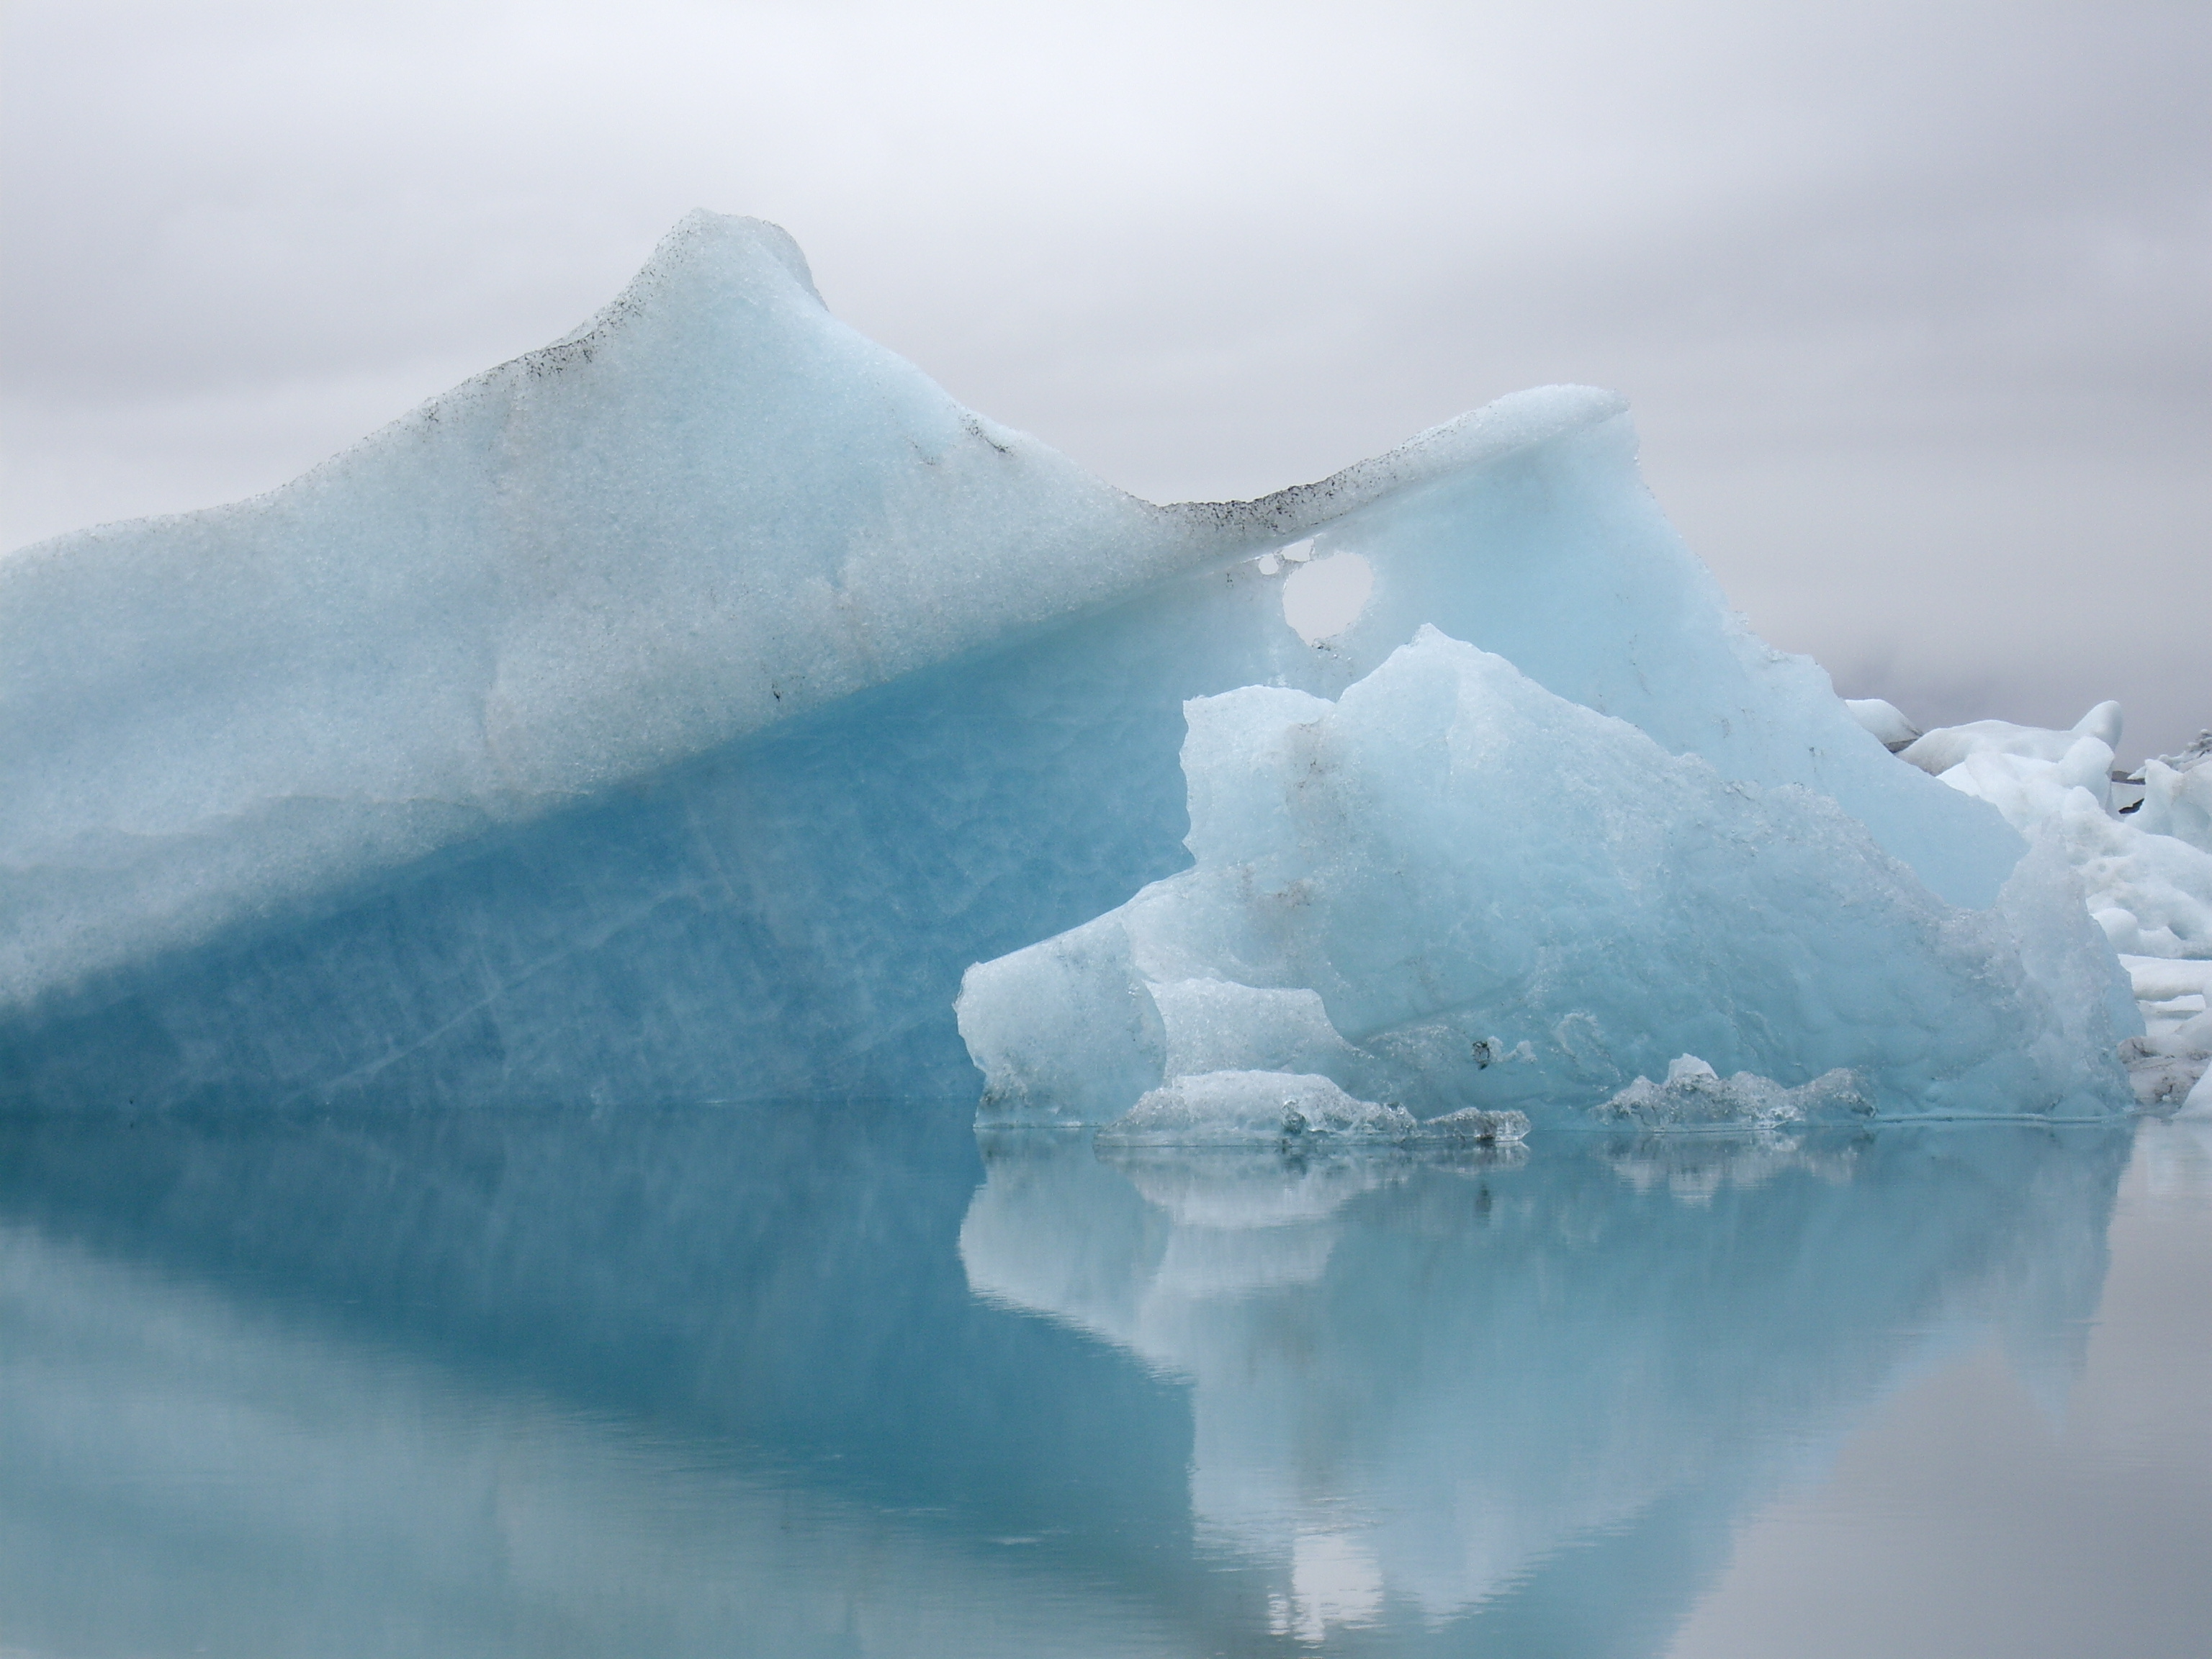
(679, 708)
(1248, 1107)
(1292, 1110)
(1453, 888)
(2145, 867)
(1693, 1096)
(1939, 751)
(2169, 1062)
(711, 506)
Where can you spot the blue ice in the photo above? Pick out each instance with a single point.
(679, 710)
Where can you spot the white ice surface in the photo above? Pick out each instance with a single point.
(1241, 1107)
(2177, 795)
(1937, 751)
(1884, 721)
(2169, 1062)
(1452, 887)
(2146, 876)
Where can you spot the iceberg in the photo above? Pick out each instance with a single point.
(2177, 798)
(711, 508)
(1452, 889)
(677, 711)
(1883, 720)
(2145, 867)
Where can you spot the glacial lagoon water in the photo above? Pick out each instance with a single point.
(849, 1379)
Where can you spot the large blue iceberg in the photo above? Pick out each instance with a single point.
(678, 711)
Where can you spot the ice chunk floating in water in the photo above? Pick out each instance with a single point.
(2145, 867)
(2147, 870)
(1452, 887)
(677, 711)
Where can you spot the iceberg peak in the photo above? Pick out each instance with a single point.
(705, 261)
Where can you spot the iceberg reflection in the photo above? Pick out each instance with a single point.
(551, 1382)
(756, 1382)
(1527, 1396)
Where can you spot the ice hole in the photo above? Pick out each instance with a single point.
(1323, 599)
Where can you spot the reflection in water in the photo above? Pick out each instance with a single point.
(779, 1383)
(658, 1383)
(1531, 1395)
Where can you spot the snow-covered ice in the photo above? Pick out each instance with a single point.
(1947, 746)
(2177, 798)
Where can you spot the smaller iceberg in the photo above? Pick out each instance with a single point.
(1453, 889)
(2145, 867)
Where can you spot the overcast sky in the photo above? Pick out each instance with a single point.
(1914, 301)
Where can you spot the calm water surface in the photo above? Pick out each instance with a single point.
(849, 1381)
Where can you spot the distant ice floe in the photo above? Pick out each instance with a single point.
(2145, 867)
(1883, 720)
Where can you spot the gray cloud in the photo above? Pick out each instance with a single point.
(1911, 299)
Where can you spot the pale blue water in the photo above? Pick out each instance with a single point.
(837, 1380)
